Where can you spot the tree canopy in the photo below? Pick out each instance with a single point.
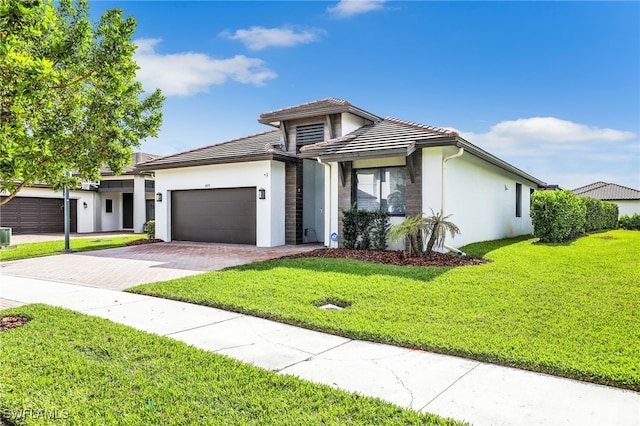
(69, 100)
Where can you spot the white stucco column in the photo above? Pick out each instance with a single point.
(333, 228)
(139, 206)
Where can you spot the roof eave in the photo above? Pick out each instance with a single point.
(362, 155)
(214, 161)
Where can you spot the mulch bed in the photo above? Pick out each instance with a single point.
(12, 321)
(391, 257)
(144, 241)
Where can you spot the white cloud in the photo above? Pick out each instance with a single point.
(188, 73)
(563, 152)
(548, 133)
(347, 8)
(258, 38)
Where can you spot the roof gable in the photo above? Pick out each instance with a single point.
(607, 191)
(318, 108)
(379, 138)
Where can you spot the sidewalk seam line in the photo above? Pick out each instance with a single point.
(449, 387)
(201, 326)
(313, 356)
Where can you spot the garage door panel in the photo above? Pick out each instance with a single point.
(225, 215)
(31, 215)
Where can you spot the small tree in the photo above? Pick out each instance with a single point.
(417, 228)
(69, 99)
(411, 228)
(439, 226)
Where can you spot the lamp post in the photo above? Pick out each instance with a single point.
(67, 216)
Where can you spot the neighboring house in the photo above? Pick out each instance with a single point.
(627, 199)
(290, 185)
(123, 202)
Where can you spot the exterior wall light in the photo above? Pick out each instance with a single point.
(262, 193)
(84, 204)
(158, 197)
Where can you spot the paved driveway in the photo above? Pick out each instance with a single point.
(124, 267)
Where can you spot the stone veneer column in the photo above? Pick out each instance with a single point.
(413, 194)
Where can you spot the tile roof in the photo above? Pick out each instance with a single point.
(388, 134)
(136, 157)
(380, 138)
(256, 147)
(607, 191)
(314, 109)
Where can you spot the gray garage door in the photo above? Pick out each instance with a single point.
(30, 215)
(214, 215)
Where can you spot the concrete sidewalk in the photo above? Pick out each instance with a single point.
(448, 386)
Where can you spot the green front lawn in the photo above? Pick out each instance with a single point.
(48, 248)
(566, 309)
(68, 368)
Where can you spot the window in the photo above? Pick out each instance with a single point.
(109, 206)
(518, 200)
(381, 189)
(310, 133)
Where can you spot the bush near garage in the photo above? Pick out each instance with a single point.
(150, 227)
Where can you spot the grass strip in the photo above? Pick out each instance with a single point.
(63, 367)
(565, 309)
(49, 248)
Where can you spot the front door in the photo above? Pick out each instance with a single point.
(127, 211)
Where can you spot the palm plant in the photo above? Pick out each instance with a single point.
(439, 226)
(417, 228)
(410, 228)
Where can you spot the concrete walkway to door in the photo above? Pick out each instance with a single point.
(124, 267)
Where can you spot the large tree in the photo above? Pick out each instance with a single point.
(69, 100)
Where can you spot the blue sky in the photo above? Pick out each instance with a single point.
(551, 87)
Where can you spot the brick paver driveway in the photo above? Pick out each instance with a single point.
(124, 267)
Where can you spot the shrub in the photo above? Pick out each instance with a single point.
(350, 228)
(379, 230)
(557, 215)
(593, 215)
(610, 215)
(600, 215)
(364, 229)
(150, 226)
(630, 222)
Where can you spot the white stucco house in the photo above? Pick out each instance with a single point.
(291, 184)
(116, 203)
(627, 199)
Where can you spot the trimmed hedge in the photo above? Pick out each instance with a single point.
(631, 223)
(600, 215)
(561, 215)
(363, 229)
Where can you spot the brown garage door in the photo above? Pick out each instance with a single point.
(30, 215)
(214, 215)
